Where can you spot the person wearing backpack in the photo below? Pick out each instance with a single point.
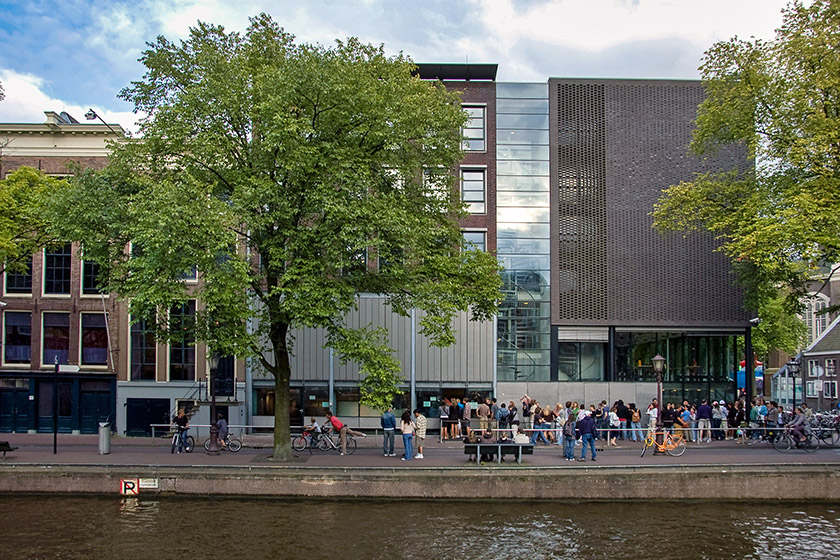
(569, 436)
(503, 414)
(635, 422)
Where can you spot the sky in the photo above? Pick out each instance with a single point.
(71, 55)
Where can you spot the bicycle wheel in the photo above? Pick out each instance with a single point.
(811, 443)
(782, 442)
(234, 445)
(324, 443)
(299, 443)
(174, 444)
(829, 436)
(189, 444)
(207, 444)
(351, 444)
(647, 442)
(676, 447)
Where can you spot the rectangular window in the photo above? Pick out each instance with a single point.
(143, 352)
(90, 278)
(20, 282)
(475, 241)
(813, 366)
(94, 339)
(474, 130)
(17, 337)
(811, 388)
(182, 346)
(56, 338)
(831, 367)
(57, 270)
(830, 389)
(473, 191)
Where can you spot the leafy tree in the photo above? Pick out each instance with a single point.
(780, 99)
(22, 231)
(283, 171)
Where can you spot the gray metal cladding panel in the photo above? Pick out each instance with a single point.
(655, 278)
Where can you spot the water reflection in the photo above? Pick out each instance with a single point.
(172, 527)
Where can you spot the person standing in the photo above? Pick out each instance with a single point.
(526, 411)
(419, 432)
(443, 410)
(513, 419)
(483, 415)
(704, 421)
(466, 415)
(569, 434)
(635, 422)
(407, 428)
(182, 423)
(389, 424)
(653, 416)
(587, 435)
(623, 418)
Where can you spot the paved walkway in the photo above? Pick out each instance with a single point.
(83, 450)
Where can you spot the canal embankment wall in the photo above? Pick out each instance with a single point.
(789, 482)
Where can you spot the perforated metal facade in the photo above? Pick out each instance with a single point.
(618, 144)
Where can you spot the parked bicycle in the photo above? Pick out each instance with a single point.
(672, 445)
(231, 444)
(787, 441)
(179, 442)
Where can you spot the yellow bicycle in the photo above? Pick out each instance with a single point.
(672, 445)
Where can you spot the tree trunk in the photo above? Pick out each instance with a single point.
(282, 377)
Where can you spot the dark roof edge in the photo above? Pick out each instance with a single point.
(457, 72)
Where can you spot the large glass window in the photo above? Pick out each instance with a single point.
(56, 338)
(474, 130)
(143, 352)
(17, 337)
(57, 270)
(473, 191)
(20, 281)
(94, 339)
(182, 346)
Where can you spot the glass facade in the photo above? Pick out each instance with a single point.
(522, 216)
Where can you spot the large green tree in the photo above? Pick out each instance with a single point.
(284, 172)
(780, 99)
(22, 230)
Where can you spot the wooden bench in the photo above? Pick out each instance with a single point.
(498, 450)
(5, 447)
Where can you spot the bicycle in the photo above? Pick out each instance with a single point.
(188, 442)
(332, 441)
(231, 444)
(306, 440)
(673, 445)
(787, 441)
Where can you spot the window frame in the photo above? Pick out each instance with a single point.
(48, 362)
(50, 271)
(83, 330)
(6, 344)
(466, 140)
(474, 169)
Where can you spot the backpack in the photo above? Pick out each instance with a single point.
(503, 413)
(637, 416)
(569, 429)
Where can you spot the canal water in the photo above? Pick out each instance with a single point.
(175, 528)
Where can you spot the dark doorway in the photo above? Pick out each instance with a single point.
(140, 414)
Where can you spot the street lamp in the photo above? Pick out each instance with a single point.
(793, 368)
(92, 115)
(658, 367)
(213, 448)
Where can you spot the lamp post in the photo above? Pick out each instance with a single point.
(92, 115)
(658, 367)
(213, 448)
(793, 368)
(829, 371)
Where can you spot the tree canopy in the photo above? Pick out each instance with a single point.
(293, 176)
(22, 230)
(780, 99)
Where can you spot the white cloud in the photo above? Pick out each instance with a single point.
(26, 102)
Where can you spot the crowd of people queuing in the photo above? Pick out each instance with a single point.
(573, 424)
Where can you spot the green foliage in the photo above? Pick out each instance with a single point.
(22, 231)
(272, 166)
(781, 101)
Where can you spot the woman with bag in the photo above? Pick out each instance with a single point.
(407, 427)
